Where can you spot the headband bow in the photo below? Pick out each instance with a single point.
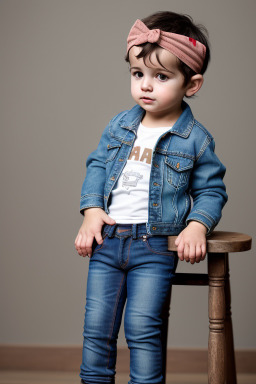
(188, 50)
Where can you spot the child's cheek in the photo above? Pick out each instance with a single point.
(133, 92)
(134, 89)
(173, 89)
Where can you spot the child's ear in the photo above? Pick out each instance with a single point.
(194, 85)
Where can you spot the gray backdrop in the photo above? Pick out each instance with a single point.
(62, 79)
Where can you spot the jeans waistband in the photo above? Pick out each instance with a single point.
(123, 230)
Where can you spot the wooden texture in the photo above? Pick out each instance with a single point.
(67, 358)
(230, 355)
(216, 307)
(221, 356)
(221, 242)
(30, 377)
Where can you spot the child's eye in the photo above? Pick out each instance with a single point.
(138, 74)
(162, 77)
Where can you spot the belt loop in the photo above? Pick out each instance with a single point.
(134, 231)
(111, 230)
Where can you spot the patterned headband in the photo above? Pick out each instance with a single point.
(188, 50)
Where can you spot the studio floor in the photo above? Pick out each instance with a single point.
(38, 377)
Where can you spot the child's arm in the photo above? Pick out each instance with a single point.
(94, 218)
(92, 197)
(92, 193)
(191, 243)
(208, 192)
(207, 188)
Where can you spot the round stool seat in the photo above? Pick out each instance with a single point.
(221, 242)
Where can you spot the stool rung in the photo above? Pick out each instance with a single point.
(190, 279)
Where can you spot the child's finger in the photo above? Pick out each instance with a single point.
(177, 241)
(203, 251)
(108, 220)
(98, 238)
(83, 246)
(77, 241)
(180, 251)
(78, 244)
(88, 246)
(186, 252)
(198, 253)
(192, 253)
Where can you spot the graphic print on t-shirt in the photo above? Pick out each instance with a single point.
(146, 155)
(130, 179)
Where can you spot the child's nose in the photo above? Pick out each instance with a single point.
(146, 84)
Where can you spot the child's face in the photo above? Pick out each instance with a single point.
(159, 91)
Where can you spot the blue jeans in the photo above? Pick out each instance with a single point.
(133, 267)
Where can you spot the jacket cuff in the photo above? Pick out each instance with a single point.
(202, 218)
(90, 201)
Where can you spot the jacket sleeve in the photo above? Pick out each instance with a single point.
(92, 193)
(207, 188)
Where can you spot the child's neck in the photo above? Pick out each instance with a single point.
(152, 120)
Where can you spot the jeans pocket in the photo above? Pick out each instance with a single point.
(96, 247)
(159, 244)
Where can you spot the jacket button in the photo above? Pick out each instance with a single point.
(108, 146)
(156, 184)
(112, 178)
(156, 165)
(154, 228)
(177, 165)
(155, 205)
(120, 159)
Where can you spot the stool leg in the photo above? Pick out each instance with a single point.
(164, 337)
(216, 304)
(230, 356)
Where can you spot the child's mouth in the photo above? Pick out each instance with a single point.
(147, 99)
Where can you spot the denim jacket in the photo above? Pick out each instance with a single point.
(185, 172)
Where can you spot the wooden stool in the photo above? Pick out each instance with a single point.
(221, 358)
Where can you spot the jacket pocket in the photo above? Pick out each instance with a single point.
(113, 148)
(178, 170)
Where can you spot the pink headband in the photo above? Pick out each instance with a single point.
(188, 50)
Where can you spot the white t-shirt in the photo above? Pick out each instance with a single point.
(129, 204)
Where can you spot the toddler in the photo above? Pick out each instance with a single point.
(153, 174)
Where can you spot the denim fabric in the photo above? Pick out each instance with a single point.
(135, 268)
(184, 168)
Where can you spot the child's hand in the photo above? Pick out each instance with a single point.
(94, 218)
(191, 243)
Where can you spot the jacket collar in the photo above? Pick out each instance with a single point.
(182, 127)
